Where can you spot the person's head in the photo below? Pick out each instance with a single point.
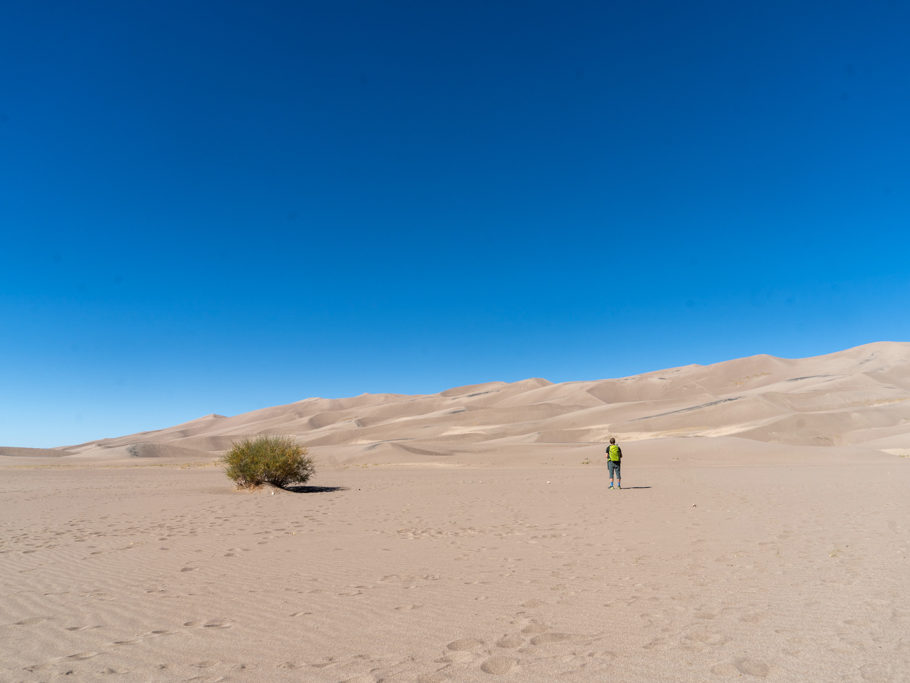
(612, 441)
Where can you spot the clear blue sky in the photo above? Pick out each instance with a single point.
(217, 206)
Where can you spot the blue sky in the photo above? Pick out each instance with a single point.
(218, 207)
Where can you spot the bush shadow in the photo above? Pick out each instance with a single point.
(302, 488)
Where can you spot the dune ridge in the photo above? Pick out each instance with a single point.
(860, 396)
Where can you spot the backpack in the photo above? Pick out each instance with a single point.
(615, 452)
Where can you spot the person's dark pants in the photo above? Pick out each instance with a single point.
(613, 468)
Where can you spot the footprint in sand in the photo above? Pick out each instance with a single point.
(79, 656)
(751, 667)
(700, 639)
(535, 627)
(461, 651)
(211, 623)
(653, 643)
(31, 620)
(329, 661)
(545, 638)
(206, 664)
(435, 677)
(216, 623)
(465, 644)
(290, 666)
(510, 641)
(741, 666)
(497, 665)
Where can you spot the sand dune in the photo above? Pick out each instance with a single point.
(761, 534)
(857, 396)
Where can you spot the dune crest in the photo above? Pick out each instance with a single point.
(860, 396)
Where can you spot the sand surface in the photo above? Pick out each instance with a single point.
(469, 535)
(710, 565)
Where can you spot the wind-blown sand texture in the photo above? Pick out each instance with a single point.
(469, 535)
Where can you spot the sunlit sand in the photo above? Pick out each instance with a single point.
(469, 535)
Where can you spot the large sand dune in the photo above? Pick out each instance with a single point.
(856, 397)
(762, 534)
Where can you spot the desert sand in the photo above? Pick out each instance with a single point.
(762, 533)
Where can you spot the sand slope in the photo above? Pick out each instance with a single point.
(860, 396)
(761, 534)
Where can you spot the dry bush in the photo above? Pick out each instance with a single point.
(276, 460)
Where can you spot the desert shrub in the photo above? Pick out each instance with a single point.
(276, 460)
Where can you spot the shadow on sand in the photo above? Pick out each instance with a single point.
(632, 488)
(315, 489)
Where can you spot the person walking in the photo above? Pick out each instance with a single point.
(614, 457)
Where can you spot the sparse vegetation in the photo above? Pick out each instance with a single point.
(276, 460)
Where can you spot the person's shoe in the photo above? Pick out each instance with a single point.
(619, 486)
(611, 485)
